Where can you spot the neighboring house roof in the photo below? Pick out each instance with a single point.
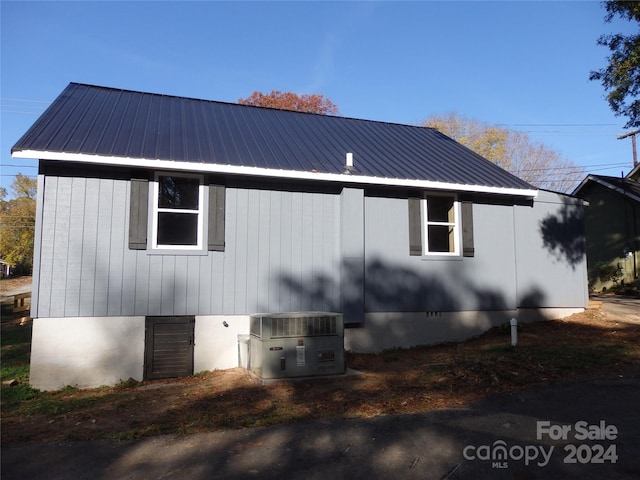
(624, 186)
(121, 127)
(634, 173)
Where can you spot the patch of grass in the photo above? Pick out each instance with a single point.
(13, 396)
(16, 334)
(16, 345)
(126, 384)
(47, 403)
(569, 358)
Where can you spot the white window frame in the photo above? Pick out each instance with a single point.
(156, 210)
(457, 240)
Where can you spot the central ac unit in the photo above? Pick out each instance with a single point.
(298, 344)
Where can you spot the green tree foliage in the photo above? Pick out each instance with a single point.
(315, 103)
(514, 151)
(17, 219)
(621, 78)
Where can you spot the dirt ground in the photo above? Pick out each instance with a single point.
(587, 345)
(10, 284)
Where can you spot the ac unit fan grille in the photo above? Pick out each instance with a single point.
(303, 326)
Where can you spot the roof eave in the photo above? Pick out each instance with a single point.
(158, 164)
(604, 183)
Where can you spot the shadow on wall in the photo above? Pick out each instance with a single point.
(563, 234)
(407, 307)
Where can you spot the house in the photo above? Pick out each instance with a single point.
(5, 269)
(612, 228)
(163, 217)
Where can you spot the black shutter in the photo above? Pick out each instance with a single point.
(467, 229)
(138, 214)
(216, 217)
(415, 226)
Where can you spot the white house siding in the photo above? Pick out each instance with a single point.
(517, 271)
(284, 251)
(551, 256)
(397, 282)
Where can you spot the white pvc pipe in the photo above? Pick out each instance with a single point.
(514, 332)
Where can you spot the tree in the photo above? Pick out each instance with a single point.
(621, 78)
(315, 103)
(514, 151)
(17, 220)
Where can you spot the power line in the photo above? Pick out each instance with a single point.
(21, 113)
(23, 100)
(557, 124)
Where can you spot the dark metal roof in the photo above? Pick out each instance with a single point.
(110, 122)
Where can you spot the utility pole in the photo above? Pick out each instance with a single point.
(632, 134)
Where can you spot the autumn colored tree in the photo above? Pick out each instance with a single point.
(621, 78)
(314, 103)
(17, 220)
(514, 151)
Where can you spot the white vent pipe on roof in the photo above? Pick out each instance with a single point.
(349, 163)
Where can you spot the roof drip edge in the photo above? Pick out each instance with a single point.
(269, 172)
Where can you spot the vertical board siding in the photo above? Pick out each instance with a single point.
(74, 262)
(282, 254)
(192, 284)
(155, 282)
(89, 241)
(141, 274)
(397, 281)
(118, 241)
(181, 276)
(275, 234)
(103, 250)
(253, 237)
(239, 285)
(551, 272)
(168, 282)
(297, 250)
(262, 246)
(47, 249)
(61, 247)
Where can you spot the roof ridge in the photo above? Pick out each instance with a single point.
(235, 104)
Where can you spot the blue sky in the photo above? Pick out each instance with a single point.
(523, 65)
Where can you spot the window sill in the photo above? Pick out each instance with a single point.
(446, 258)
(177, 252)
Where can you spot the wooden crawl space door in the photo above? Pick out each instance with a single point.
(168, 347)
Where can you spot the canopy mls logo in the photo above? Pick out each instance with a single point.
(500, 454)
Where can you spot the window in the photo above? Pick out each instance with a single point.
(440, 225)
(178, 215)
(175, 206)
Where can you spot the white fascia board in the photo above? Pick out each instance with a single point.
(268, 172)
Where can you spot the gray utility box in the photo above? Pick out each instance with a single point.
(297, 344)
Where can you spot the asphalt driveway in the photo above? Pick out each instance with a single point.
(589, 431)
(625, 308)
